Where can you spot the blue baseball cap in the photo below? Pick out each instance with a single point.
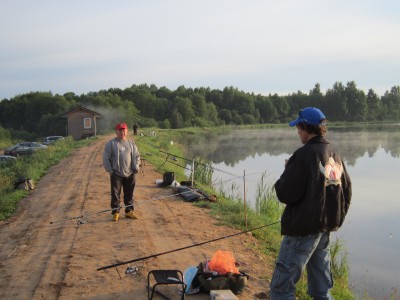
(309, 115)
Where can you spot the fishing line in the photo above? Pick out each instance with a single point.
(215, 181)
(198, 163)
(124, 206)
(82, 216)
(183, 248)
(177, 164)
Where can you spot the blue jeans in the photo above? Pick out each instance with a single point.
(296, 253)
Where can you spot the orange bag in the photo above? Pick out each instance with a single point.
(223, 262)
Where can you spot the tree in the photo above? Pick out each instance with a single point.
(24, 112)
(282, 107)
(375, 107)
(199, 103)
(163, 92)
(335, 103)
(182, 91)
(297, 101)
(145, 102)
(391, 100)
(226, 116)
(236, 118)
(4, 134)
(267, 110)
(212, 114)
(166, 124)
(249, 119)
(161, 111)
(356, 102)
(176, 119)
(185, 108)
(228, 98)
(216, 97)
(316, 97)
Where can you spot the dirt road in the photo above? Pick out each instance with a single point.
(39, 260)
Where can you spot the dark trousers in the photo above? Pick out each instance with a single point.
(127, 184)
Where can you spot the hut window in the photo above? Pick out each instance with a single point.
(87, 123)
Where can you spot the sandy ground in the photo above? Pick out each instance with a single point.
(44, 257)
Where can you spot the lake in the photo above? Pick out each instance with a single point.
(371, 232)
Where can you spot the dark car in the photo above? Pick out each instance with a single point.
(24, 148)
(4, 159)
(52, 139)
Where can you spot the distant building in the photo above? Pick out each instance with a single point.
(81, 122)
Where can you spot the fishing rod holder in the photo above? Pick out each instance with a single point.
(131, 270)
(80, 222)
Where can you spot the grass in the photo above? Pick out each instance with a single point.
(33, 166)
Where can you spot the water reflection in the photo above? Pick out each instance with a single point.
(352, 143)
(371, 231)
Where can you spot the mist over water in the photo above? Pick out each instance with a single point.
(371, 231)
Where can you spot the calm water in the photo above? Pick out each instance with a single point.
(371, 232)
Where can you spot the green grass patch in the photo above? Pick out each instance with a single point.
(33, 166)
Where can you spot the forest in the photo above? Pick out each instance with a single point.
(37, 114)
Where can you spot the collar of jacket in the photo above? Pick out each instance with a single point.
(317, 139)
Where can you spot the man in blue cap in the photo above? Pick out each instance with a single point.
(316, 189)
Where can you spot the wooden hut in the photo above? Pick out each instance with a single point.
(81, 122)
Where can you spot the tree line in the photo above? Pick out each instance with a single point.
(38, 114)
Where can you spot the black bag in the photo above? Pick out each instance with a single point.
(229, 281)
(23, 183)
(188, 194)
(168, 178)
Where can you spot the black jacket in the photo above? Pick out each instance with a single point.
(316, 189)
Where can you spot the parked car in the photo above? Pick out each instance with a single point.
(24, 148)
(4, 159)
(52, 139)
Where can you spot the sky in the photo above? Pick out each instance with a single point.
(259, 46)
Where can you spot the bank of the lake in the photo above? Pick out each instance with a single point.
(232, 212)
(371, 153)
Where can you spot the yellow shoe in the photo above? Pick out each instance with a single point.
(130, 215)
(115, 217)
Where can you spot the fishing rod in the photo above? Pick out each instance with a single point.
(78, 217)
(177, 164)
(120, 207)
(187, 159)
(198, 163)
(183, 248)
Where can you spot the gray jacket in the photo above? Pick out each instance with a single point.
(111, 159)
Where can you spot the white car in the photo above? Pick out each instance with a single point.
(24, 148)
(6, 158)
(52, 139)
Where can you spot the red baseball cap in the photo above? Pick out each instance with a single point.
(121, 126)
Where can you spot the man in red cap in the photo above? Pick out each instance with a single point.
(121, 159)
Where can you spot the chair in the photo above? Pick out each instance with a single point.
(165, 277)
